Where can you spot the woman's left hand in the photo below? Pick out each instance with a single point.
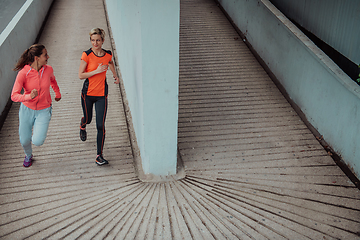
(117, 81)
(57, 99)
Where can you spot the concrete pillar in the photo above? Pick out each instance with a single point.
(146, 36)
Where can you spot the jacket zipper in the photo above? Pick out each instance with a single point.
(38, 75)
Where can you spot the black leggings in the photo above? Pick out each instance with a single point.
(87, 103)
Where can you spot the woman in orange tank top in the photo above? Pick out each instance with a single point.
(93, 66)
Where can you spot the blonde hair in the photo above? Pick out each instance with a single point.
(97, 31)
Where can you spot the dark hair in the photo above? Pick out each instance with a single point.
(29, 55)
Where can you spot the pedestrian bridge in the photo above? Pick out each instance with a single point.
(253, 169)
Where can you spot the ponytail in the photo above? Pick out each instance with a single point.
(29, 55)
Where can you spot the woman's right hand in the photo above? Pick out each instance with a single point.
(101, 68)
(33, 93)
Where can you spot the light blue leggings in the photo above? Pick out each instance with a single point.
(33, 127)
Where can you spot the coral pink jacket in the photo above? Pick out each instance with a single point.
(29, 79)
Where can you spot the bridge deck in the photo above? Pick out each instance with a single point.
(253, 169)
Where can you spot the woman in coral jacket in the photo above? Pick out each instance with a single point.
(35, 77)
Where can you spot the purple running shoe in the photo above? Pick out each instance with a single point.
(27, 161)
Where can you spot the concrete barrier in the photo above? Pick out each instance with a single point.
(146, 39)
(20, 33)
(329, 99)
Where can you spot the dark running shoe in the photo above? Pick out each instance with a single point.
(82, 134)
(100, 160)
(27, 161)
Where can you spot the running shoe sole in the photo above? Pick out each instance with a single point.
(102, 163)
(83, 135)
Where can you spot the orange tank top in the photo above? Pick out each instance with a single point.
(95, 85)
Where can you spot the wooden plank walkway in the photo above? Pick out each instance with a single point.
(253, 169)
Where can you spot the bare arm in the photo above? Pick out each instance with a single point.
(83, 75)
(112, 68)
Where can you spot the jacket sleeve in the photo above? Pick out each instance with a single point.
(55, 86)
(16, 95)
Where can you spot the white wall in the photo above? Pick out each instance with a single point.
(146, 36)
(327, 96)
(20, 34)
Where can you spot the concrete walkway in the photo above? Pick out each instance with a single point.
(253, 169)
